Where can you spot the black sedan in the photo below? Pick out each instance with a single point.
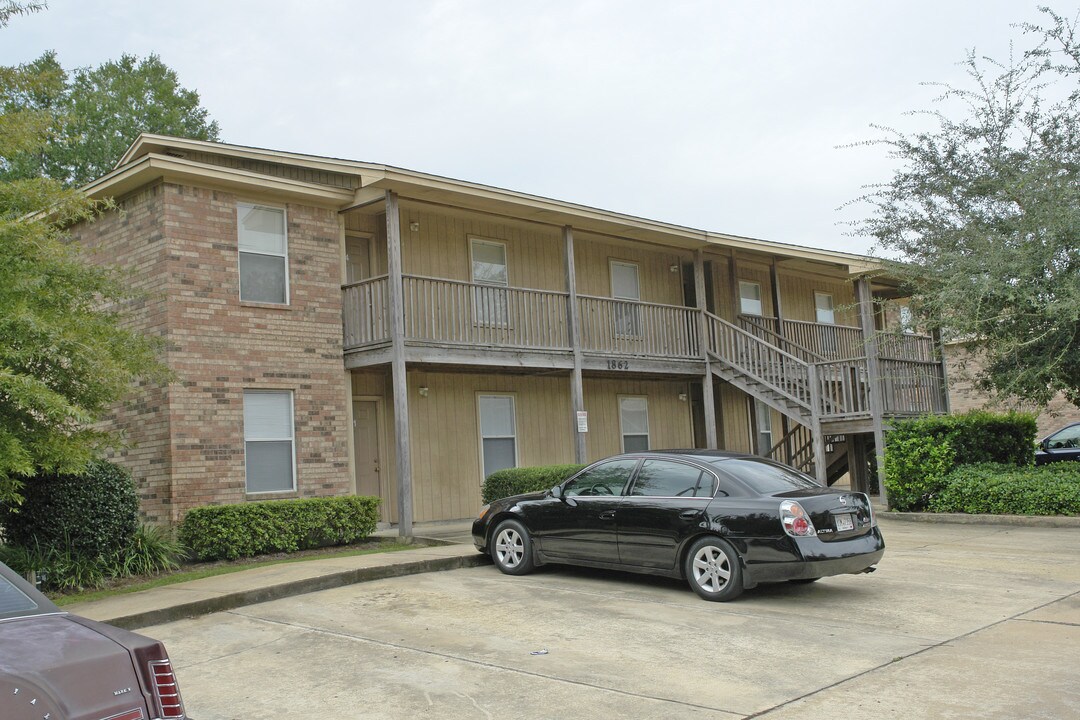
(1061, 445)
(54, 665)
(723, 521)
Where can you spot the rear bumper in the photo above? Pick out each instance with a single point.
(821, 559)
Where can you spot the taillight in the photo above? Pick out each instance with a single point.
(870, 509)
(795, 520)
(166, 691)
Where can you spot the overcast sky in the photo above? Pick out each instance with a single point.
(724, 116)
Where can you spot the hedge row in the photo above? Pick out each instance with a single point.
(921, 452)
(1010, 490)
(231, 531)
(515, 481)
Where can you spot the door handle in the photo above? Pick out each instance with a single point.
(607, 515)
(689, 514)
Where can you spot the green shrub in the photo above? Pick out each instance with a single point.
(915, 469)
(231, 531)
(515, 481)
(151, 551)
(1010, 490)
(94, 515)
(920, 452)
(58, 568)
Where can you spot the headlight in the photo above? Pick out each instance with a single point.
(483, 512)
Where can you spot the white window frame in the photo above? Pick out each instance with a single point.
(907, 320)
(480, 427)
(481, 298)
(627, 314)
(743, 299)
(240, 252)
(291, 439)
(818, 309)
(764, 426)
(648, 427)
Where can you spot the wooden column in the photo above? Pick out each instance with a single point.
(577, 393)
(817, 436)
(779, 312)
(939, 346)
(397, 365)
(865, 298)
(733, 280)
(708, 402)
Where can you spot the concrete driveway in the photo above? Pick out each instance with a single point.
(960, 621)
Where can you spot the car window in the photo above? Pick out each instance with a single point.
(13, 601)
(767, 478)
(1067, 438)
(663, 478)
(605, 479)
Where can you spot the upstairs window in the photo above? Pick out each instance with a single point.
(823, 308)
(264, 257)
(489, 270)
(750, 298)
(625, 285)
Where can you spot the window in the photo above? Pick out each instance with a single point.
(1064, 439)
(264, 272)
(766, 478)
(498, 433)
(625, 286)
(634, 423)
(605, 479)
(489, 270)
(268, 441)
(663, 478)
(907, 325)
(823, 307)
(750, 298)
(763, 421)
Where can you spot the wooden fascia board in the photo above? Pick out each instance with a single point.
(151, 167)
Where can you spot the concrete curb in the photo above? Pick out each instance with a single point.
(297, 587)
(1047, 521)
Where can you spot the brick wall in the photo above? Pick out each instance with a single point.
(180, 243)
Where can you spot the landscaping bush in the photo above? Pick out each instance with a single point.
(1010, 490)
(919, 453)
(94, 515)
(231, 531)
(515, 481)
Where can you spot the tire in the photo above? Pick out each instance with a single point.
(714, 570)
(511, 548)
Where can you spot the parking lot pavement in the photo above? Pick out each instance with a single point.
(959, 621)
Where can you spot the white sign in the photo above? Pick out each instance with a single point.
(582, 421)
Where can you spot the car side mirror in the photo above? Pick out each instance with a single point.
(556, 492)
(1045, 444)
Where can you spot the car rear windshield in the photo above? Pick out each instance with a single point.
(767, 478)
(13, 601)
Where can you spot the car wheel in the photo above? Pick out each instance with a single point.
(713, 570)
(511, 548)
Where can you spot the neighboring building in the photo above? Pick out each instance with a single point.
(344, 327)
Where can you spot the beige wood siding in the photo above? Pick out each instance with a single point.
(734, 407)
(593, 256)
(797, 296)
(670, 424)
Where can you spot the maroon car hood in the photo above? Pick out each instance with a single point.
(71, 671)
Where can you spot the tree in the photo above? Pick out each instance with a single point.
(982, 218)
(98, 112)
(65, 355)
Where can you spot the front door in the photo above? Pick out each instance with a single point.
(366, 445)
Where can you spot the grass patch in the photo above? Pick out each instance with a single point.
(204, 570)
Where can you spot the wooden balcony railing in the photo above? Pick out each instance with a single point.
(460, 313)
(911, 387)
(365, 313)
(765, 363)
(843, 388)
(623, 327)
(907, 346)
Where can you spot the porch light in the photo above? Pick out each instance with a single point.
(414, 226)
(682, 396)
(423, 391)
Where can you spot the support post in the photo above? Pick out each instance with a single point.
(779, 312)
(708, 401)
(865, 298)
(397, 365)
(573, 323)
(939, 347)
(733, 281)
(817, 435)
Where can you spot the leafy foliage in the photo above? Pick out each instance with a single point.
(514, 481)
(95, 515)
(65, 356)
(231, 531)
(984, 213)
(919, 453)
(1006, 489)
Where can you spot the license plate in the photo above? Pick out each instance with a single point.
(844, 522)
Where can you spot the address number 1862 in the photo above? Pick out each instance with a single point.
(618, 364)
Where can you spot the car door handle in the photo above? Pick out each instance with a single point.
(689, 514)
(607, 515)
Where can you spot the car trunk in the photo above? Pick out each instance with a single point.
(87, 676)
(836, 515)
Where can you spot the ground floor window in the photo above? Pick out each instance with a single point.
(498, 432)
(269, 451)
(763, 423)
(634, 423)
